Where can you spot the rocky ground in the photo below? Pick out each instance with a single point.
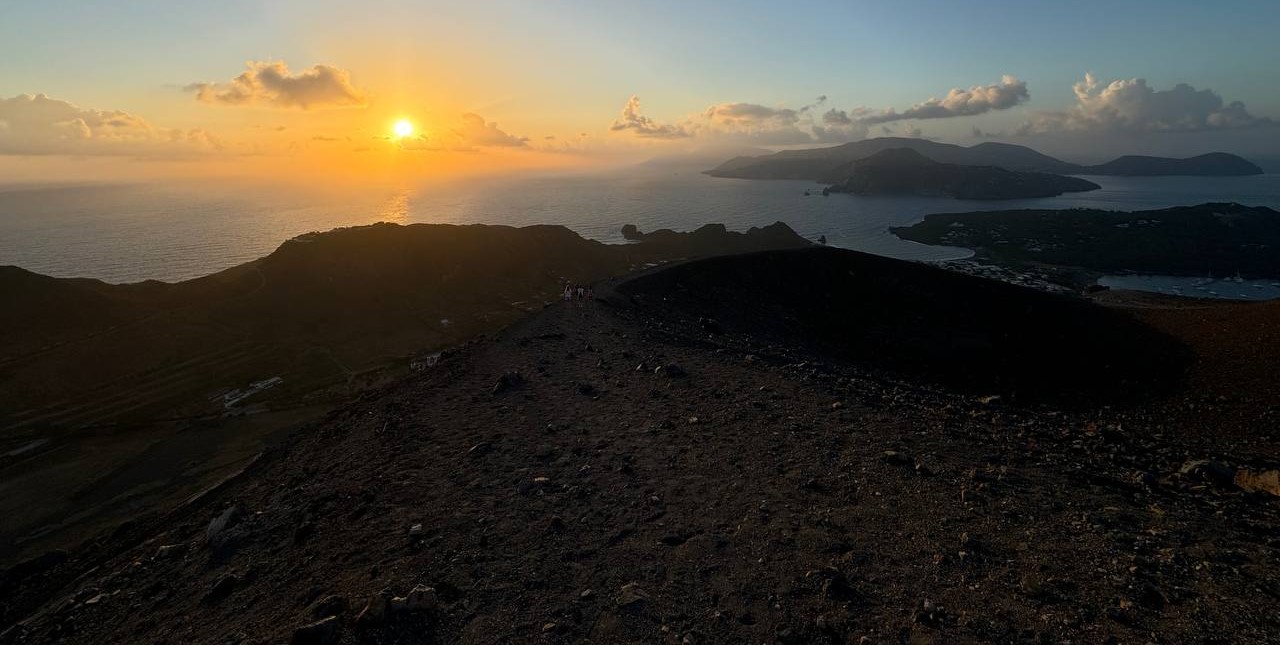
(627, 471)
(121, 397)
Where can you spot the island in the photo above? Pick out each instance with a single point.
(1222, 239)
(1214, 164)
(817, 164)
(903, 171)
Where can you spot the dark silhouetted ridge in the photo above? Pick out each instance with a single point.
(903, 171)
(818, 163)
(976, 335)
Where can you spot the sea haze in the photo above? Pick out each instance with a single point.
(133, 232)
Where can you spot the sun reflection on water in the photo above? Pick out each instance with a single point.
(396, 209)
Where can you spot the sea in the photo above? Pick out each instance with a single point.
(129, 232)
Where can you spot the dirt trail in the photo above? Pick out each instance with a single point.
(653, 478)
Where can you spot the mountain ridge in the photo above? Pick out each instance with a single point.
(817, 163)
(629, 470)
(119, 395)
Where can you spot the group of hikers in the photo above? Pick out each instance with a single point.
(580, 292)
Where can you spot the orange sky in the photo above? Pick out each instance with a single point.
(295, 90)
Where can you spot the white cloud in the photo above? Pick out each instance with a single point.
(40, 125)
(744, 123)
(1135, 107)
(758, 124)
(271, 83)
(475, 131)
(753, 123)
(631, 120)
(468, 135)
(841, 125)
(978, 99)
(750, 115)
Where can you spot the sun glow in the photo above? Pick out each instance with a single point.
(403, 128)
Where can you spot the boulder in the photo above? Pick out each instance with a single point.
(1209, 472)
(421, 598)
(376, 610)
(1259, 481)
(631, 234)
(632, 598)
(216, 533)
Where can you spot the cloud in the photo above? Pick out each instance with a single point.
(631, 120)
(1133, 106)
(475, 131)
(759, 124)
(750, 115)
(838, 126)
(836, 117)
(740, 122)
(817, 103)
(753, 123)
(271, 83)
(470, 134)
(978, 99)
(736, 122)
(40, 125)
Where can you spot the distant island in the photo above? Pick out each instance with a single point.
(1222, 239)
(1214, 164)
(819, 164)
(898, 171)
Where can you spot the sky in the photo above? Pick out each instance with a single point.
(296, 89)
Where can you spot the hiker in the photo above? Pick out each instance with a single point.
(568, 291)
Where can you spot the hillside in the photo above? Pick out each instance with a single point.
(818, 164)
(119, 397)
(902, 171)
(655, 475)
(361, 295)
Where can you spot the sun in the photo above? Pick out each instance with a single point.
(403, 128)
